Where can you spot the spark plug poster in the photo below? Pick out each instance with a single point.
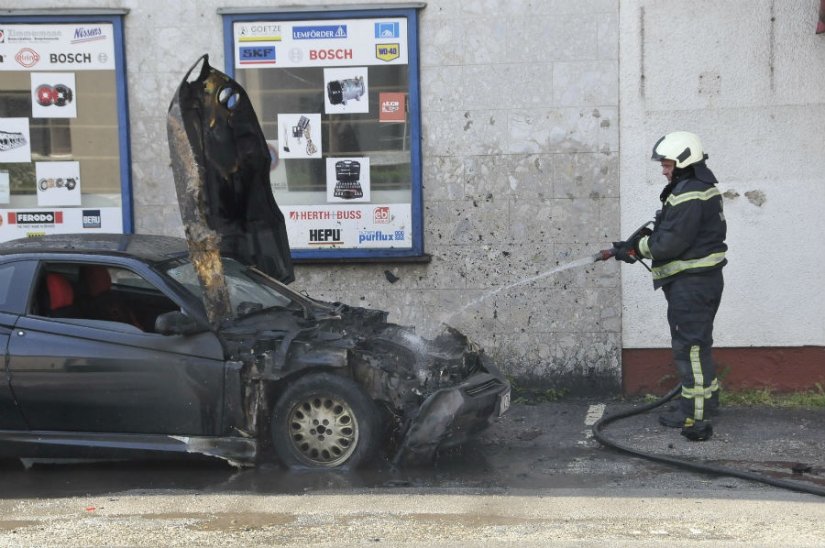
(53, 95)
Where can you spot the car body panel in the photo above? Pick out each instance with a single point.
(81, 381)
(220, 162)
(75, 377)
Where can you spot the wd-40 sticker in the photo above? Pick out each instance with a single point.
(387, 52)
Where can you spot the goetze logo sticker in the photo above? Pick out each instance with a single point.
(27, 57)
(381, 215)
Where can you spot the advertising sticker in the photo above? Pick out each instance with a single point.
(53, 95)
(58, 183)
(348, 179)
(15, 145)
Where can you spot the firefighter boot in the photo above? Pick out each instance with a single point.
(695, 430)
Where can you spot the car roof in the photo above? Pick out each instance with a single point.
(148, 248)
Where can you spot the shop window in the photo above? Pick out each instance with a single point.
(336, 94)
(64, 151)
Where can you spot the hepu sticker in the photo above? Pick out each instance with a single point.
(325, 236)
(27, 57)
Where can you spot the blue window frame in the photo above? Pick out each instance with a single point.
(337, 96)
(74, 173)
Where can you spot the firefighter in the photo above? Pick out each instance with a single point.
(687, 247)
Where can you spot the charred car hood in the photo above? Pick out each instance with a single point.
(220, 162)
(336, 335)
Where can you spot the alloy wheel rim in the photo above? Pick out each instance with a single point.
(323, 430)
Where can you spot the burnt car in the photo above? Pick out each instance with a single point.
(110, 352)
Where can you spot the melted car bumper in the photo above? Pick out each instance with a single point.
(451, 416)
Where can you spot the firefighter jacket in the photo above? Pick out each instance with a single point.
(689, 235)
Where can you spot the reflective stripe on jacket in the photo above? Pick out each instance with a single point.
(689, 235)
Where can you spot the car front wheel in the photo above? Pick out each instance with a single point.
(324, 421)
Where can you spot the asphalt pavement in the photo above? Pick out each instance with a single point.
(535, 477)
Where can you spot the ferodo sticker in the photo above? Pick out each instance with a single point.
(35, 217)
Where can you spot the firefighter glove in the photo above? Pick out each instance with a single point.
(625, 251)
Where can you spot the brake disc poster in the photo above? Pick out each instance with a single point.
(53, 95)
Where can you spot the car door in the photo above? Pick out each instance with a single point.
(83, 374)
(15, 278)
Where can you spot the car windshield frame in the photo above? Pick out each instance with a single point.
(250, 290)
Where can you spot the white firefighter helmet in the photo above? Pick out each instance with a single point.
(680, 146)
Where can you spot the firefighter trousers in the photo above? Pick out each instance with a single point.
(692, 302)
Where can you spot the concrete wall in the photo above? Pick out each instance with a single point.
(520, 148)
(746, 76)
(521, 140)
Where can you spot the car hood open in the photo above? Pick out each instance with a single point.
(221, 162)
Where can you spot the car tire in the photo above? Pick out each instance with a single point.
(325, 421)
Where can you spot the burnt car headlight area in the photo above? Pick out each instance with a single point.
(339, 391)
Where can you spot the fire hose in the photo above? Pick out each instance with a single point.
(694, 466)
(688, 464)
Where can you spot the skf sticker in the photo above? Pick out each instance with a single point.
(387, 52)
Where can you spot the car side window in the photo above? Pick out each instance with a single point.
(99, 294)
(6, 275)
